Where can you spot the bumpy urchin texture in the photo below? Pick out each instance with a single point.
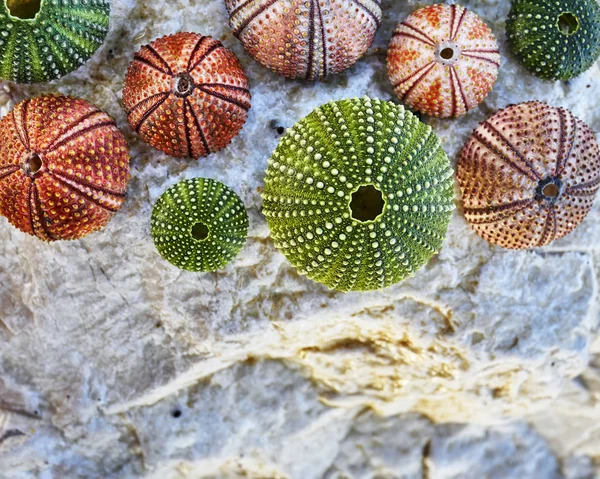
(308, 39)
(529, 175)
(64, 167)
(443, 60)
(555, 39)
(358, 194)
(60, 38)
(199, 225)
(186, 95)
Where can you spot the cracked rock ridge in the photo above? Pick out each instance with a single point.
(114, 364)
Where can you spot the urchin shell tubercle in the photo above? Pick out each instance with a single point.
(186, 95)
(358, 194)
(199, 225)
(45, 40)
(529, 175)
(64, 168)
(443, 60)
(309, 39)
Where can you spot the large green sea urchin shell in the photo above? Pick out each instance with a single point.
(199, 225)
(59, 38)
(555, 39)
(358, 194)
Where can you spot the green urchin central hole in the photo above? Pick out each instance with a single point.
(568, 23)
(24, 9)
(367, 203)
(200, 231)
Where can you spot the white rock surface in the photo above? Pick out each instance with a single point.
(464, 371)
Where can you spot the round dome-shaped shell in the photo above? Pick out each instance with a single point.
(64, 168)
(443, 60)
(529, 175)
(358, 195)
(555, 40)
(308, 39)
(39, 46)
(186, 95)
(199, 225)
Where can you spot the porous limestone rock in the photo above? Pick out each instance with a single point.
(115, 364)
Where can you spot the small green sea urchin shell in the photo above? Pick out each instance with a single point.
(44, 40)
(199, 225)
(358, 194)
(555, 39)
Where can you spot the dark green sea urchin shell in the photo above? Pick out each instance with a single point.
(60, 38)
(555, 39)
(358, 194)
(199, 225)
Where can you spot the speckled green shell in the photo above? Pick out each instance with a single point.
(539, 38)
(319, 166)
(63, 36)
(199, 201)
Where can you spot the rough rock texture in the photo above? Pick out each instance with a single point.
(114, 364)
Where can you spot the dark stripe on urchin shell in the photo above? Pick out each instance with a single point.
(504, 188)
(538, 43)
(310, 183)
(206, 89)
(427, 39)
(204, 201)
(369, 12)
(199, 129)
(62, 37)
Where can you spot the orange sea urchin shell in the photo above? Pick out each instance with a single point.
(186, 95)
(308, 39)
(529, 175)
(443, 60)
(64, 167)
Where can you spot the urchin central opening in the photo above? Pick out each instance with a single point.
(32, 164)
(24, 9)
(568, 23)
(367, 203)
(551, 190)
(183, 84)
(200, 231)
(447, 53)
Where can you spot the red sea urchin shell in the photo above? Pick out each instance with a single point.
(529, 175)
(308, 39)
(64, 167)
(443, 60)
(186, 95)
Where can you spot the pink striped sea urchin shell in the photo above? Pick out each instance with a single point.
(64, 168)
(443, 60)
(308, 39)
(529, 175)
(186, 95)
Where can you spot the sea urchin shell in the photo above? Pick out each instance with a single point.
(64, 167)
(308, 39)
(358, 194)
(529, 175)
(186, 95)
(42, 41)
(555, 39)
(199, 225)
(443, 60)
